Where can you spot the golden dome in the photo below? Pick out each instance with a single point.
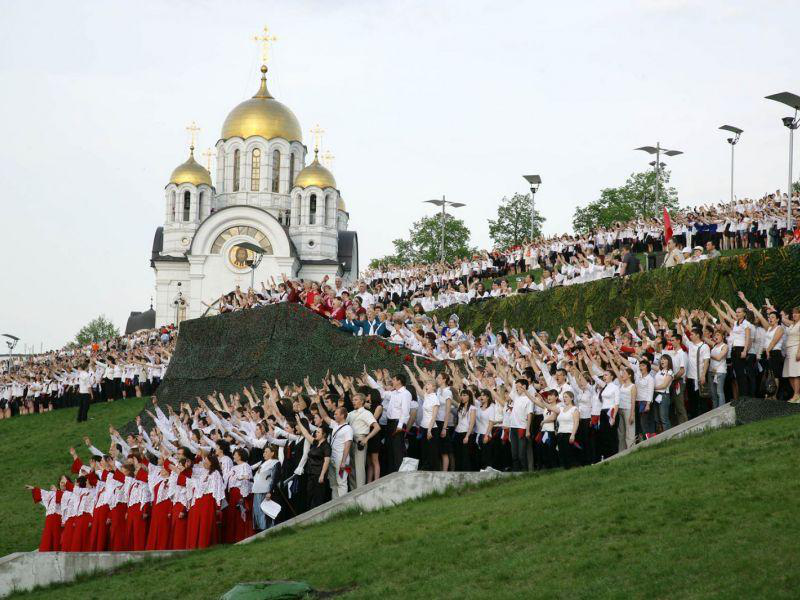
(190, 172)
(340, 204)
(315, 174)
(262, 115)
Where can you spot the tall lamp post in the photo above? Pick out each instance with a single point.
(793, 101)
(534, 181)
(444, 204)
(732, 141)
(11, 342)
(658, 151)
(258, 253)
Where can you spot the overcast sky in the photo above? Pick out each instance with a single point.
(418, 99)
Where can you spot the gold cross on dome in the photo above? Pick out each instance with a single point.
(265, 39)
(327, 159)
(207, 154)
(192, 128)
(316, 133)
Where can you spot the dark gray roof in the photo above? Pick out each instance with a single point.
(158, 242)
(141, 320)
(319, 261)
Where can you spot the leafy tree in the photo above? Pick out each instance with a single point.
(796, 188)
(513, 224)
(96, 330)
(424, 242)
(633, 200)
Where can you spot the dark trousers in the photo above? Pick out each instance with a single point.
(83, 407)
(695, 403)
(586, 440)
(395, 446)
(538, 457)
(567, 453)
(463, 451)
(745, 369)
(315, 490)
(609, 443)
(430, 459)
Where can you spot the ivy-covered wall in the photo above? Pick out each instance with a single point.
(283, 341)
(773, 273)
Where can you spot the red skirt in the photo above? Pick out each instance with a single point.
(158, 536)
(177, 537)
(98, 539)
(81, 534)
(118, 535)
(202, 528)
(244, 527)
(66, 535)
(136, 528)
(51, 535)
(230, 516)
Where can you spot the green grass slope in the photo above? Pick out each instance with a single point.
(773, 273)
(711, 516)
(35, 451)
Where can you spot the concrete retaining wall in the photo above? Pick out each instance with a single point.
(724, 416)
(387, 491)
(26, 570)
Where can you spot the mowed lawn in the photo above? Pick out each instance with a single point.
(35, 451)
(712, 516)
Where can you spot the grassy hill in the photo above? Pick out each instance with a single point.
(709, 516)
(35, 451)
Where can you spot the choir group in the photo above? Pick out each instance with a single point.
(230, 466)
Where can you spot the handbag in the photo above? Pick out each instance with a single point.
(769, 383)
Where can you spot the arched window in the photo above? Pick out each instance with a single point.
(276, 171)
(312, 209)
(172, 208)
(200, 205)
(255, 170)
(328, 212)
(291, 171)
(187, 205)
(236, 170)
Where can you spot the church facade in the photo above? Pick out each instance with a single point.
(267, 213)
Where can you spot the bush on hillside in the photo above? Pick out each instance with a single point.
(773, 273)
(284, 341)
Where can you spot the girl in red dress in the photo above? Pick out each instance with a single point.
(238, 515)
(179, 494)
(158, 537)
(51, 500)
(207, 493)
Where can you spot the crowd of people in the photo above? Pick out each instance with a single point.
(121, 367)
(693, 235)
(231, 466)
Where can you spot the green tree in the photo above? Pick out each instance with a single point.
(513, 223)
(633, 200)
(424, 242)
(96, 330)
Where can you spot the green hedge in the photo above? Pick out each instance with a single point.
(773, 273)
(283, 341)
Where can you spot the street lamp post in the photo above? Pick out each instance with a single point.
(732, 141)
(793, 101)
(534, 181)
(444, 204)
(11, 342)
(658, 151)
(258, 252)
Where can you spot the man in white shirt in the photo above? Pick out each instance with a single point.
(699, 357)
(364, 427)
(340, 439)
(84, 391)
(678, 387)
(397, 408)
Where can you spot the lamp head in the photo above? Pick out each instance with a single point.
(789, 122)
(534, 180)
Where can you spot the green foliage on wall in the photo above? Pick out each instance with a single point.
(773, 273)
(283, 341)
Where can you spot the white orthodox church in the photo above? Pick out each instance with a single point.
(263, 194)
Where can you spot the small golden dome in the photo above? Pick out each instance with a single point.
(190, 172)
(262, 115)
(340, 204)
(315, 174)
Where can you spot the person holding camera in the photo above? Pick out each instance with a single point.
(365, 427)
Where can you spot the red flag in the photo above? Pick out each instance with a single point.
(667, 226)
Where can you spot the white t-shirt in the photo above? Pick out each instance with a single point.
(565, 420)
(521, 407)
(431, 401)
(340, 434)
